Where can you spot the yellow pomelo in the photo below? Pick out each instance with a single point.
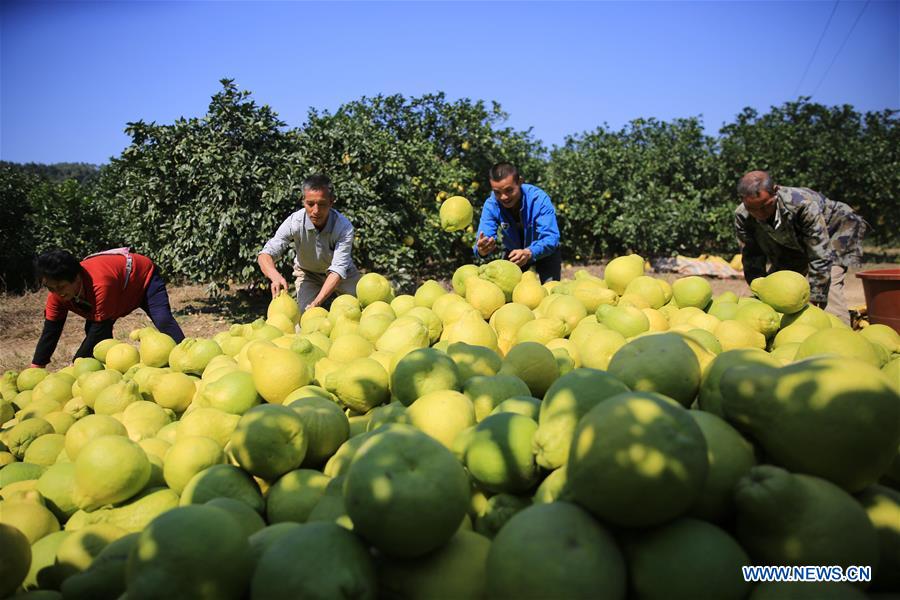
(622, 270)
(77, 552)
(404, 332)
(210, 422)
(143, 419)
(361, 384)
(174, 391)
(442, 415)
(598, 347)
(498, 454)
(484, 295)
(285, 305)
(429, 319)
(108, 470)
(486, 392)
(455, 214)
(193, 354)
(45, 449)
(277, 372)
(30, 377)
(426, 294)
(692, 291)
(33, 519)
(189, 456)
(839, 342)
(122, 357)
(56, 387)
(647, 288)
(373, 287)
(627, 320)
(529, 292)
(541, 330)
(233, 392)
(61, 421)
(760, 317)
(659, 563)
(832, 417)
(89, 428)
(503, 273)
(793, 334)
(735, 334)
(785, 291)
(473, 360)
(460, 276)
(373, 326)
(155, 347)
(103, 347)
(115, 398)
(730, 457)
(471, 328)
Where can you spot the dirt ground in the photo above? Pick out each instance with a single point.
(21, 316)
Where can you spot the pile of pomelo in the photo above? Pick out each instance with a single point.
(591, 438)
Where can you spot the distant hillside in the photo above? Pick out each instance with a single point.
(57, 172)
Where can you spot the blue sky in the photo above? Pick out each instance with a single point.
(72, 74)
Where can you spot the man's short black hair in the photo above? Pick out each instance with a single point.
(59, 265)
(502, 170)
(319, 183)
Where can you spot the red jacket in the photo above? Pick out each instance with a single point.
(104, 294)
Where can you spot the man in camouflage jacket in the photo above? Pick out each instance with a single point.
(798, 229)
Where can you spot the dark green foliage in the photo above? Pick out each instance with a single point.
(202, 195)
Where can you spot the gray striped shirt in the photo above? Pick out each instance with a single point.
(316, 251)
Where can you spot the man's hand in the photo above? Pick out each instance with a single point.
(278, 284)
(520, 257)
(485, 245)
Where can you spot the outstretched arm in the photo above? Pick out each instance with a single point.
(47, 342)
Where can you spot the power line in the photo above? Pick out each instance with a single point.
(844, 43)
(816, 50)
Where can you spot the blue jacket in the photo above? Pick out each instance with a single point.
(538, 223)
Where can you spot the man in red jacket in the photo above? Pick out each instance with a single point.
(101, 288)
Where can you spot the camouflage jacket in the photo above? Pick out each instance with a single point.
(808, 233)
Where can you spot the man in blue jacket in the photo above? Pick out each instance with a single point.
(523, 218)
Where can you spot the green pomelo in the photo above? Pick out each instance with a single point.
(663, 562)
(269, 441)
(315, 560)
(662, 363)
(498, 455)
(567, 400)
(295, 494)
(223, 481)
(486, 392)
(835, 418)
(637, 459)
(456, 570)
(586, 563)
(191, 552)
(325, 426)
(422, 371)
(405, 492)
(788, 519)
